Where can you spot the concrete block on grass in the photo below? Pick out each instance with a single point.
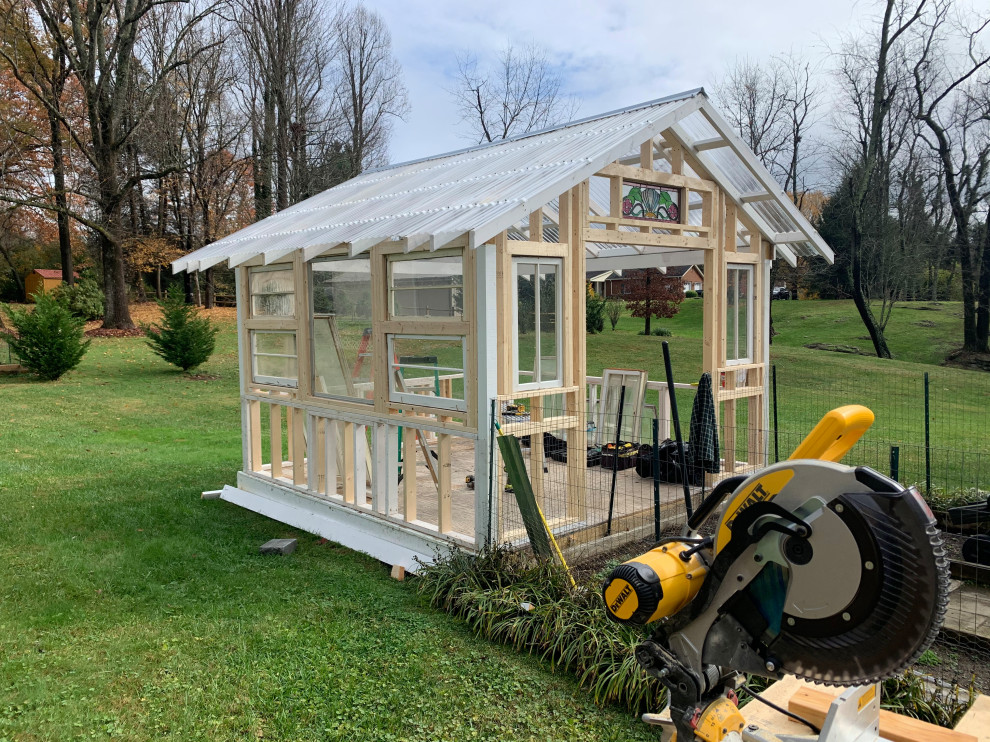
(279, 546)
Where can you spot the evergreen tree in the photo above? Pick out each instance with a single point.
(48, 341)
(184, 338)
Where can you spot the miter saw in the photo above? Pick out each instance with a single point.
(828, 572)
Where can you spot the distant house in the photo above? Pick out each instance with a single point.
(42, 279)
(608, 283)
(613, 283)
(691, 276)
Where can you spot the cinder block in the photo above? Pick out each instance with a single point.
(279, 546)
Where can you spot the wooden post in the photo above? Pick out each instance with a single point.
(575, 363)
(487, 381)
(362, 465)
(444, 521)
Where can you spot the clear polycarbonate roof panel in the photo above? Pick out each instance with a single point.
(486, 189)
(450, 194)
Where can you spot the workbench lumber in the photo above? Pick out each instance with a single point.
(813, 705)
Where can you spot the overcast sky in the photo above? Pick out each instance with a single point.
(611, 54)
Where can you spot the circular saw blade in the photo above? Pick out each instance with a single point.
(867, 592)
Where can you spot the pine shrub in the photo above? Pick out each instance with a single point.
(49, 340)
(184, 338)
(84, 298)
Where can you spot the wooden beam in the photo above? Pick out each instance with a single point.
(615, 237)
(656, 177)
(536, 226)
(702, 145)
(349, 462)
(576, 361)
(784, 238)
(750, 197)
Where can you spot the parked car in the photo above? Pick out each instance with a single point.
(780, 292)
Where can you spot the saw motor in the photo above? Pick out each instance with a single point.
(832, 573)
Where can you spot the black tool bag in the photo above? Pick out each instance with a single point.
(669, 462)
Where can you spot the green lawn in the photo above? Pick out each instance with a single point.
(131, 609)
(811, 382)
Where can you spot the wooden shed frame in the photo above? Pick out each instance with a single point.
(328, 464)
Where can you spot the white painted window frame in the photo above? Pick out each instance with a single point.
(273, 380)
(557, 381)
(747, 270)
(410, 398)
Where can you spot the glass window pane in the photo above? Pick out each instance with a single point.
(429, 367)
(276, 367)
(427, 287)
(272, 292)
(342, 363)
(548, 322)
(274, 357)
(739, 287)
(526, 322)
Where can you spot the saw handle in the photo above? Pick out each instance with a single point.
(835, 434)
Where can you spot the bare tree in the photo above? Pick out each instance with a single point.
(105, 44)
(872, 74)
(953, 103)
(369, 93)
(522, 93)
(772, 107)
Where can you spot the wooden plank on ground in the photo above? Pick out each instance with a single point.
(976, 721)
(814, 704)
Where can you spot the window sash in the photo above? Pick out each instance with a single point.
(557, 380)
(399, 397)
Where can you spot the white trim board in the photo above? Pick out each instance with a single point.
(387, 543)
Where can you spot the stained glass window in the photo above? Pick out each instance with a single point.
(652, 202)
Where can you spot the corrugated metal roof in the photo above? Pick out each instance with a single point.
(478, 191)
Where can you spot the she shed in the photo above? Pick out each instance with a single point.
(385, 323)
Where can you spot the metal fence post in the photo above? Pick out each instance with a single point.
(776, 438)
(895, 462)
(656, 479)
(928, 440)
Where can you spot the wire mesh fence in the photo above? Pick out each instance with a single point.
(610, 487)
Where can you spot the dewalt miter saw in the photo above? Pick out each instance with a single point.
(828, 572)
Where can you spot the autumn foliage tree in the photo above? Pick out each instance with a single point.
(652, 294)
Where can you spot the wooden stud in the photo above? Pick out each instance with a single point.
(536, 226)
(275, 438)
(297, 434)
(362, 465)
(646, 163)
(444, 520)
(332, 455)
(409, 473)
(656, 177)
(254, 434)
(379, 315)
(349, 462)
(304, 327)
(289, 438)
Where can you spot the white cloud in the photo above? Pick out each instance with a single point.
(612, 54)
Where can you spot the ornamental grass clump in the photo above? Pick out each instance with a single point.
(49, 340)
(529, 605)
(184, 338)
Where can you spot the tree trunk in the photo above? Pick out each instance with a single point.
(862, 302)
(61, 203)
(982, 344)
(187, 285)
(117, 314)
(158, 282)
(210, 290)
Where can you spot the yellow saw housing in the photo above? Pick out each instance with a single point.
(656, 584)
